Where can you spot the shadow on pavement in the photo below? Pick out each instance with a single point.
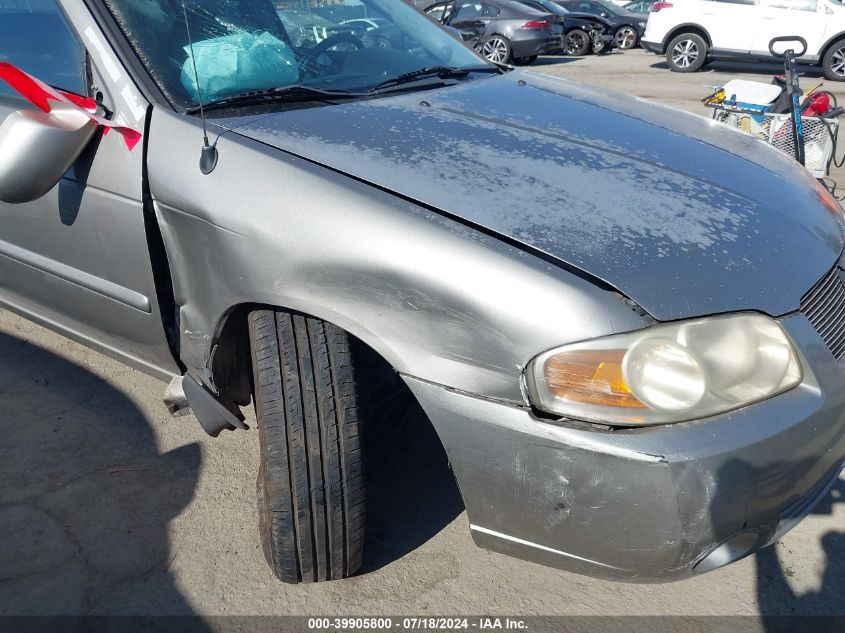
(771, 488)
(774, 594)
(411, 493)
(751, 68)
(86, 495)
(552, 60)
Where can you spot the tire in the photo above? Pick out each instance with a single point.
(496, 49)
(626, 37)
(833, 61)
(310, 476)
(525, 61)
(686, 53)
(601, 48)
(576, 43)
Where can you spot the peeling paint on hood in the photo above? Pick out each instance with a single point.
(681, 214)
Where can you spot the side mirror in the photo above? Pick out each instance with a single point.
(605, 14)
(37, 148)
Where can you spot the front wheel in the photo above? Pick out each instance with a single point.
(626, 37)
(833, 61)
(576, 43)
(600, 47)
(310, 476)
(496, 49)
(686, 53)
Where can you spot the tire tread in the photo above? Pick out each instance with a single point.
(310, 483)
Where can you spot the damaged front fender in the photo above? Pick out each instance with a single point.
(435, 298)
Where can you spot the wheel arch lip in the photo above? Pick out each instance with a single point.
(687, 27)
(497, 35)
(505, 33)
(632, 25)
(830, 43)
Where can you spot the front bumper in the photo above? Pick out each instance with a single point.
(653, 504)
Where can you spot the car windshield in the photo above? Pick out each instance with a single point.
(610, 8)
(614, 9)
(551, 7)
(251, 45)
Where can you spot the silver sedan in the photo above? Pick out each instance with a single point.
(626, 324)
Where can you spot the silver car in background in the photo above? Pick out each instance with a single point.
(626, 324)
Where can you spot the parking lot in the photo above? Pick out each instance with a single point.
(110, 506)
(645, 75)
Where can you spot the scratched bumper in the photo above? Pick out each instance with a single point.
(645, 504)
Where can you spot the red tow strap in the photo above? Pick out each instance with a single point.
(40, 94)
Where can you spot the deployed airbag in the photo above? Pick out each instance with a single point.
(236, 63)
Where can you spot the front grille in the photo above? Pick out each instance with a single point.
(824, 307)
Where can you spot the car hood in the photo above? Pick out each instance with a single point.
(681, 214)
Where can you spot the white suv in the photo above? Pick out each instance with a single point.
(692, 32)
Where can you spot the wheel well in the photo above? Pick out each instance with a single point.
(688, 28)
(230, 364)
(381, 391)
(833, 40)
(411, 491)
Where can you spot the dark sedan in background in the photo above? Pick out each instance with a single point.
(503, 31)
(628, 27)
(582, 32)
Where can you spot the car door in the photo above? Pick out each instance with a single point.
(473, 17)
(77, 258)
(731, 24)
(438, 12)
(779, 18)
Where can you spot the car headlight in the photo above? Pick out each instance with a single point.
(829, 201)
(666, 373)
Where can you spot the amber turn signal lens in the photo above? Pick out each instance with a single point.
(828, 201)
(591, 377)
